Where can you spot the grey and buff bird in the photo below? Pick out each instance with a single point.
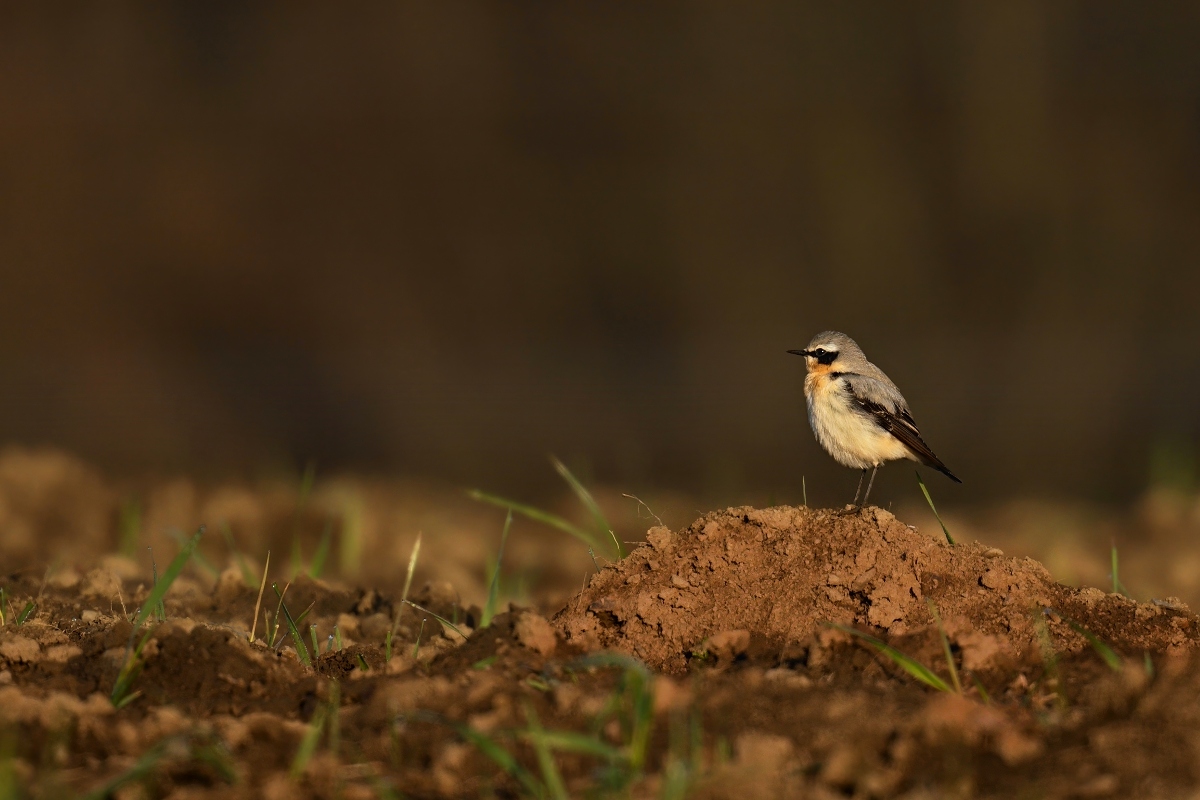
(857, 413)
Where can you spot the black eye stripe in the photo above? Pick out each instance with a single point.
(825, 356)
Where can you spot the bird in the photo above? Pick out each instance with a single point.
(857, 413)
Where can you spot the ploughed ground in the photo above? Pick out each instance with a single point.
(706, 663)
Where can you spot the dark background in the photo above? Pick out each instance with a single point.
(443, 240)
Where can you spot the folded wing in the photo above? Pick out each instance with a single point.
(887, 407)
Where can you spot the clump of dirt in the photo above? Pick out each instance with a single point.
(773, 578)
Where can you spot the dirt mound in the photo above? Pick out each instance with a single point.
(750, 580)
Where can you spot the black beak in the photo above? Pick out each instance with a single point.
(800, 352)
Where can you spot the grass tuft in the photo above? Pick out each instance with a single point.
(293, 627)
(493, 598)
(154, 601)
(122, 692)
(631, 707)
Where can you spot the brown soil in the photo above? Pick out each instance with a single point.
(751, 693)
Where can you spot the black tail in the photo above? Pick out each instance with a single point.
(936, 463)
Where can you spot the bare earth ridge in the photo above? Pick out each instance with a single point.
(731, 615)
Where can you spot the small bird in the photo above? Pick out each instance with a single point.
(856, 412)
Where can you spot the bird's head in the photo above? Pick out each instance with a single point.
(831, 351)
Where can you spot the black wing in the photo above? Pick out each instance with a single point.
(899, 423)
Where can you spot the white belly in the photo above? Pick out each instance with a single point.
(851, 437)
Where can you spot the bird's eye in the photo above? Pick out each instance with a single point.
(820, 351)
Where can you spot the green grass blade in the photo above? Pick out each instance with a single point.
(1115, 578)
(589, 503)
(206, 566)
(297, 558)
(335, 722)
(121, 695)
(580, 743)
(550, 774)
(611, 659)
(258, 603)
(148, 762)
(417, 646)
(983, 693)
(502, 758)
(1118, 587)
(537, 515)
(297, 638)
(304, 614)
(932, 508)
(1102, 649)
(159, 590)
(308, 744)
(350, 536)
(412, 567)
(319, 557)
(26, 612)
(489, 608)
(913, 667)
(160, 610)
(129, 527)
(1049, 657)
(243, 566)
(442, 620)
(945, 646)
(642, 721)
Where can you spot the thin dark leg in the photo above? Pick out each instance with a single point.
(870, 483)
(861, 475)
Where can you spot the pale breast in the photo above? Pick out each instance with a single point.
(852, 437)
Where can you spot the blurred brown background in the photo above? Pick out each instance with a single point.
(442, 240)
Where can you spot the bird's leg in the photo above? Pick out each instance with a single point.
(861, 475)
(869, 483)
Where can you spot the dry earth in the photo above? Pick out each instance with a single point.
(703, 664)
